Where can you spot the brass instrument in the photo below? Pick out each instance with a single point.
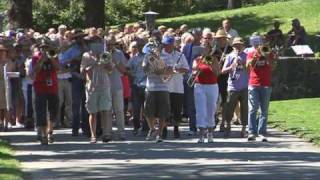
(208, 59)
(155, 64)
(192, 78)
(105, 58)
(233, 76)
(264, 51)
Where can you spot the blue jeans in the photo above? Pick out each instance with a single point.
(259, 97)
(190, 107)
(78, 106)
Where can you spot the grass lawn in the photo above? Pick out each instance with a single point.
(258, 18)
(300, 117)
(9, 167)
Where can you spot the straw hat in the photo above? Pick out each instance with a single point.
(237, 40)
(221, 33)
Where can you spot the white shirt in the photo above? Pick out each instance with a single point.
(177, 60)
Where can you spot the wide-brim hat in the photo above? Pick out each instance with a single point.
(221, 33)
(237, 40)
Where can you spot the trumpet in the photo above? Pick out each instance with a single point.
(51, 53)
(192, 78)
(264, 50)
(210, 60)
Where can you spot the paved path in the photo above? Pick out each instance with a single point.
(284, 157)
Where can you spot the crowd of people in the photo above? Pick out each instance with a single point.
(88, 79)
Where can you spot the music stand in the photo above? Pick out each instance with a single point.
(302, 50)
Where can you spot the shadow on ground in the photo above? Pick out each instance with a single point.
(233, 158)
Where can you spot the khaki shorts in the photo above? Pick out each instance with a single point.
(98, 101)
(157, 105)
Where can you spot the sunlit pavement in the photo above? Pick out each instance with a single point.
(283, 157)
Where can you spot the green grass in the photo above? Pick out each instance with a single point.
(300, 117)
(9, 167)
(258, 18)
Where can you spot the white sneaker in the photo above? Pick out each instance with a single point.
(19, 125)
(210, 138)
(251, 137)
(150, 135)
(201, 140)
(262, 138)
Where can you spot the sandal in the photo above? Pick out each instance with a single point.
(50, 138)
(93, 140)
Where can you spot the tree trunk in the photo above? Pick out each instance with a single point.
(94, 13)
(232, 4)
(20, 13)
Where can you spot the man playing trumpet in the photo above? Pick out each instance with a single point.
(260, 62)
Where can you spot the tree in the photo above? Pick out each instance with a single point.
(94, 13)
(233, 4)
(20, 13)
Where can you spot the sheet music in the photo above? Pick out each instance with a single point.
(302, 49)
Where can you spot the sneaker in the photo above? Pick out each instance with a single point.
(19, 125)
(222, 128)
(159, 139)
(122, 138)
(75, 133)
(50, 138)
(135, 132)
(210, 138)
(150, 135)
(106, 139)
(176, 134)
(251, 137)
(262, 138)
(192, 133)
(243, 132)
(201, 140)
(164, 133)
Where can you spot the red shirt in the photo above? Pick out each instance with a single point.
(45, 81)
(206, 75)
(261, 74)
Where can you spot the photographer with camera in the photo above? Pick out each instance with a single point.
(235, 66)
(44, 69)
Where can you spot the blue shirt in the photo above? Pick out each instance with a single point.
(238, 79)
(135, 67)
(70, 54)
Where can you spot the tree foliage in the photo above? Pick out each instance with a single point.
(51, 13)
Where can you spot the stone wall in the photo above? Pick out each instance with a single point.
(296, 78)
